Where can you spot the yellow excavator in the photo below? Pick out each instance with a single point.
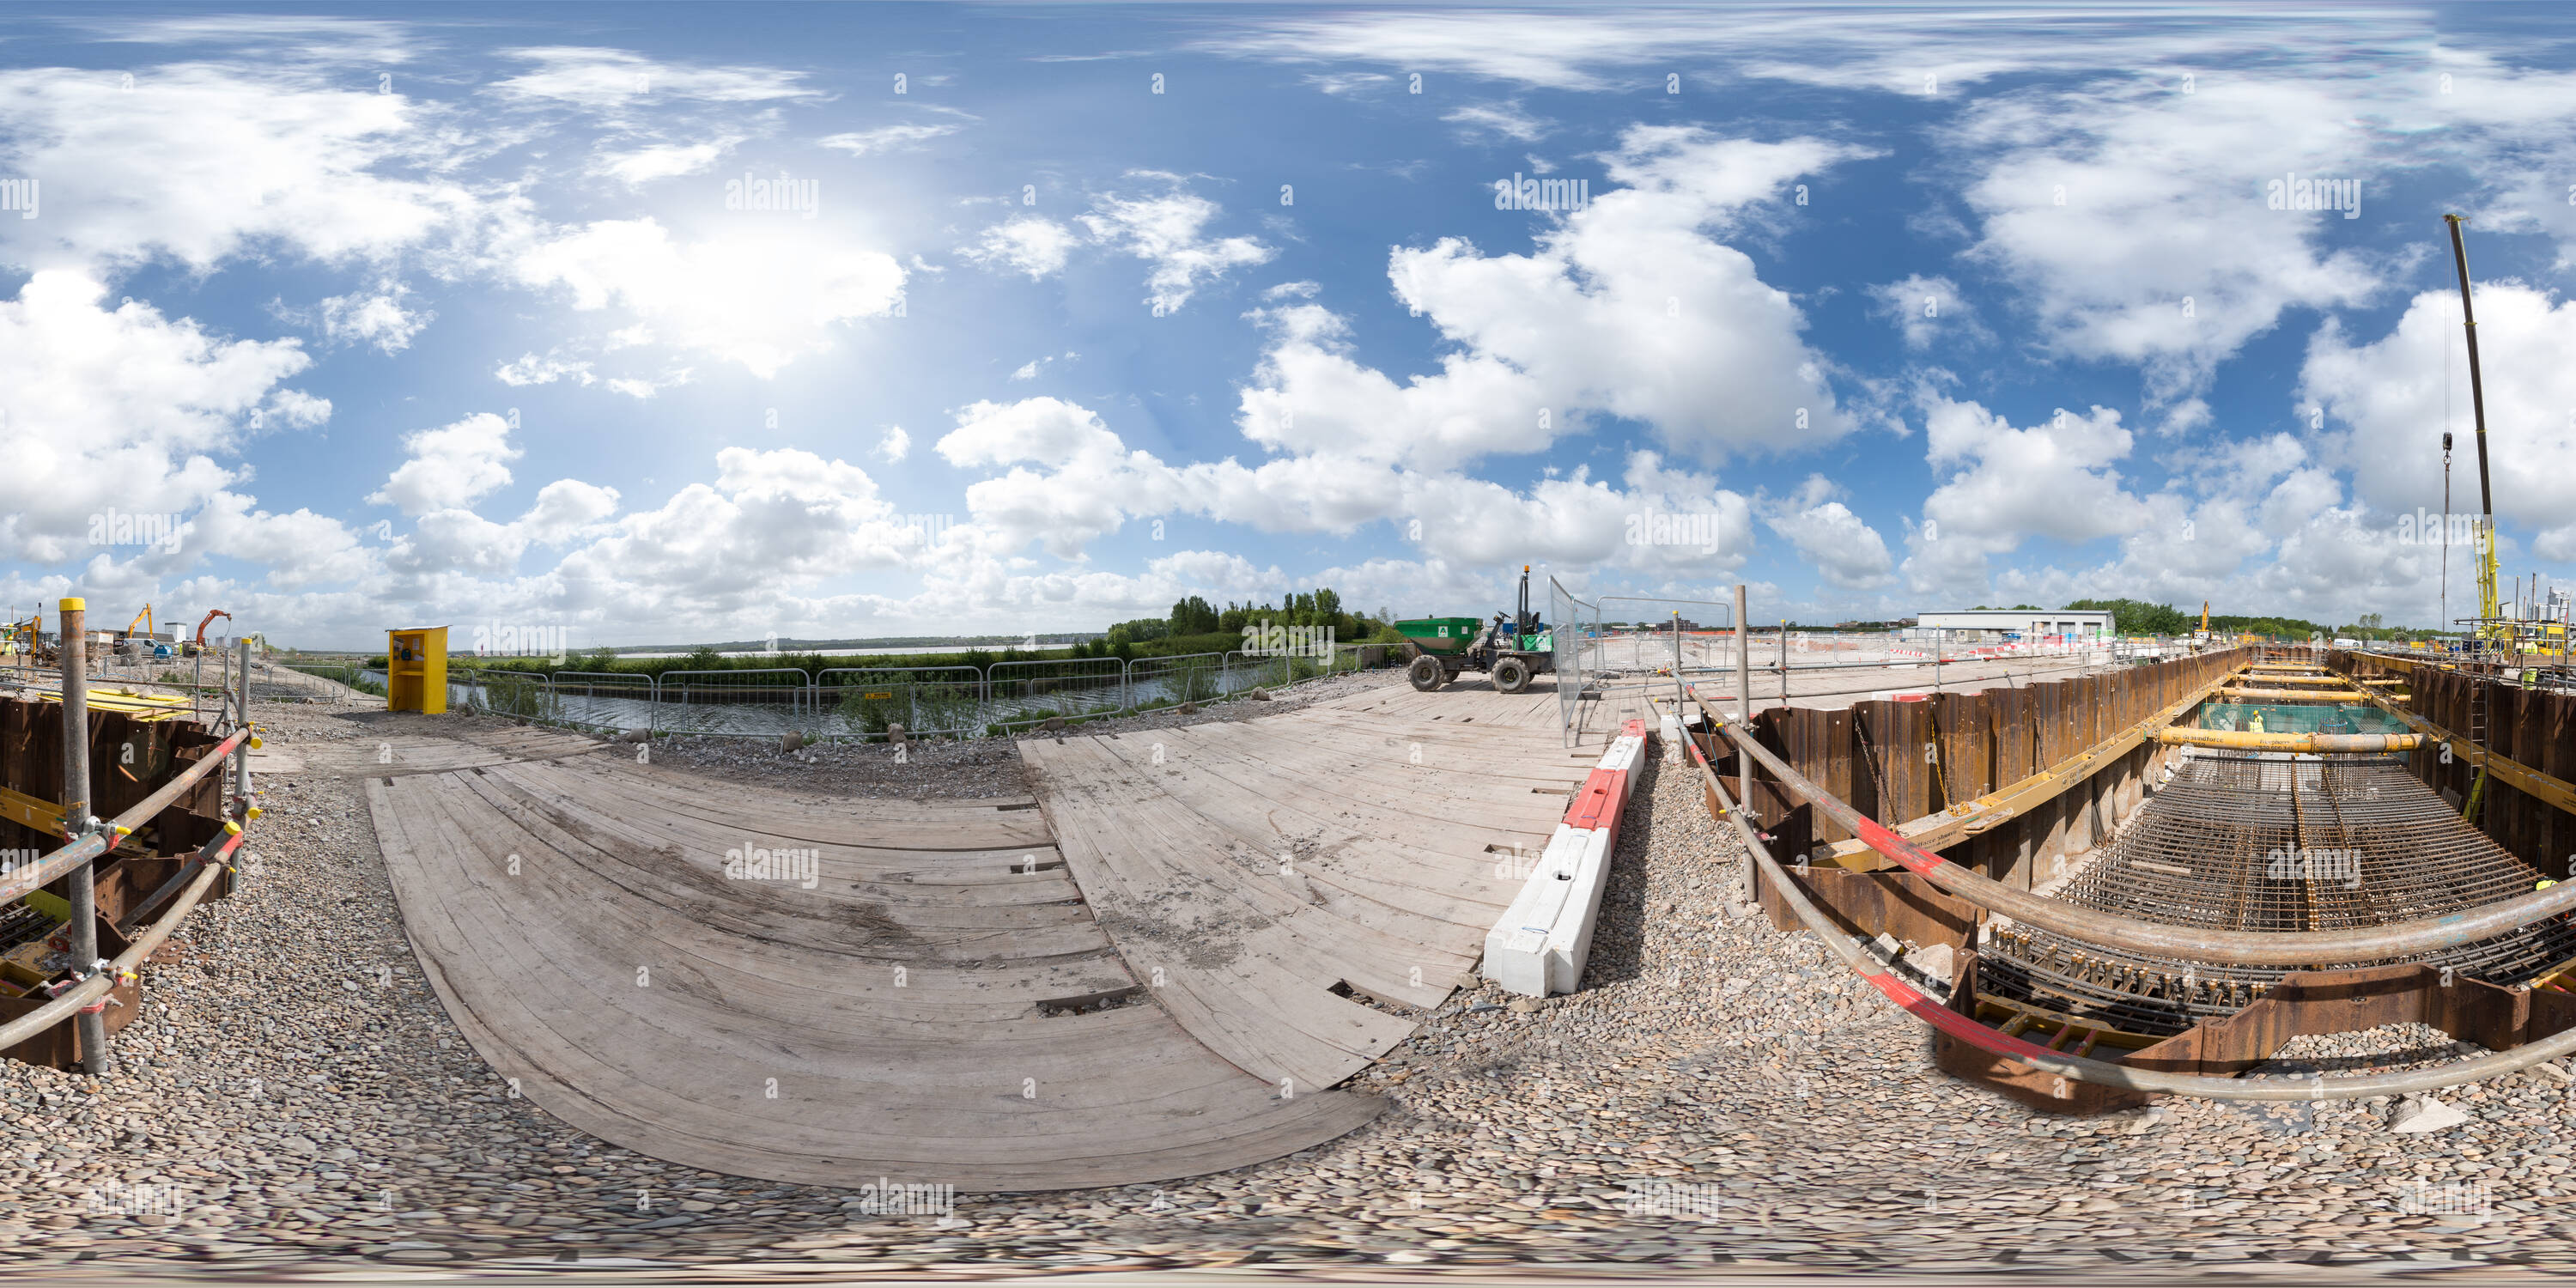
(19, 639)
(148, 646)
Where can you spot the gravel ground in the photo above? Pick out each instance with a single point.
(1720, 1092)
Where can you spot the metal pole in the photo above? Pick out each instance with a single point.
(1937, 633)
(1743, 692)
(1677, 657)
(241, 756)
(1784, 661)
(89, 1026)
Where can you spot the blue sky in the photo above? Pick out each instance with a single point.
(442, 313)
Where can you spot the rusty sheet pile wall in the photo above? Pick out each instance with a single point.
(2534, 728)
(1899, 761)
(130, 758)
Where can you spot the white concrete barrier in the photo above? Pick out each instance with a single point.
(1540, 945)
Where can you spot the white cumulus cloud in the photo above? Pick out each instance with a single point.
(450, 467)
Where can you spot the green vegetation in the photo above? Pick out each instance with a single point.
(1193, 626)
(2137, 617)
(876, 702)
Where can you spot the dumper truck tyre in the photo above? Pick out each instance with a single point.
(1511, 675)
(1425, 673)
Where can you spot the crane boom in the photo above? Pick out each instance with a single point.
(2488, 611)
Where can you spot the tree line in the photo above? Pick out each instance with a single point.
(1195, 619)
(2138, 617)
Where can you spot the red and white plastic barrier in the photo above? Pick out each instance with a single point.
(1539, 946)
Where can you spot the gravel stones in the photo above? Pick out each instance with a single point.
(1718, 1090)
(2425, 1114)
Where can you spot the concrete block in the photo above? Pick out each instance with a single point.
(1935, 962)
(1570, 943)
(1516, 948)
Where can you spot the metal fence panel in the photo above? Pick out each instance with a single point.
(1155, 682)
(488, 691)
(1249, 671)
(860, 702)
(346, 673)
(765, 702)
(604, 701)
(1348, 658)
(1575, 643)
(1027, 692)
(1642, 639)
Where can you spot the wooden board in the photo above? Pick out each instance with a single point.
(1257, 871)
(575, 915)
(396, 754)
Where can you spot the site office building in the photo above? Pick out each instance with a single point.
(2030, 625)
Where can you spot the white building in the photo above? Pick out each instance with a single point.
(1991, 625)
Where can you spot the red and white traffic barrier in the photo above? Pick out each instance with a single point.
(1539, 946)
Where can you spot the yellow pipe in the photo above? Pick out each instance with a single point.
(2290, 695)
(2241, 740)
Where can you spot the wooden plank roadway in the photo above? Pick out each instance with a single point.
(574, 914)
(1256, 872)
(413, 751)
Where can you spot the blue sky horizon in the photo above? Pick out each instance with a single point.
(649, 324)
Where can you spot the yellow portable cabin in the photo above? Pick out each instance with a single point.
(416, 670)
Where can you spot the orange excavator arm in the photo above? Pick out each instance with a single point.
(209, 620)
